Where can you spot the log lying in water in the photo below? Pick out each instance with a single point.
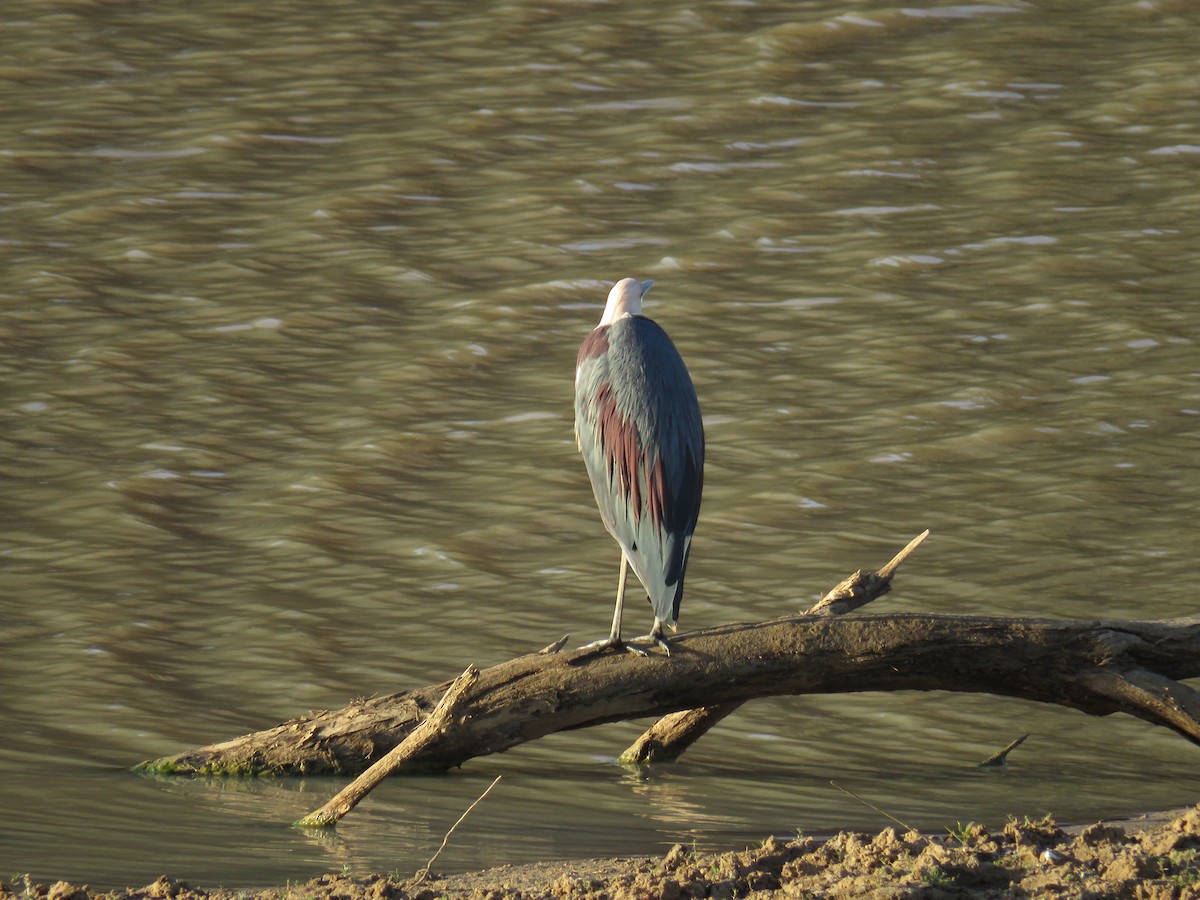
(1099, 667)
(359, 737)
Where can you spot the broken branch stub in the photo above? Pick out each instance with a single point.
(418, 740)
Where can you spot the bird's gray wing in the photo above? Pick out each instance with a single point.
(639, 428)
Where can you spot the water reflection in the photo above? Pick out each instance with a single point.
(290, 315)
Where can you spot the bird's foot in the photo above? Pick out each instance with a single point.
(655, 640)
(601, 646)
(595, 648)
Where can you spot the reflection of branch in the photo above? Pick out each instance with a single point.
(424, 873)
(671, 735)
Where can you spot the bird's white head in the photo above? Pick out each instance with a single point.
(625, 299)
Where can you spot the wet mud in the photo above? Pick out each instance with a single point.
(1152, 857)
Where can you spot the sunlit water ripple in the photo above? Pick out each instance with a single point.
(291, 306)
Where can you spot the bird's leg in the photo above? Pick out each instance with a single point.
(614, 635)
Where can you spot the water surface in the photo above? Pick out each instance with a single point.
(291, 300)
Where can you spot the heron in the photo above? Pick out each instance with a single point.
(637, 424)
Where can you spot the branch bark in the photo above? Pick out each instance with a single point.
(1099, 667)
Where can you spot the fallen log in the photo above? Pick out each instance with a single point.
(1098, 667)
(324, 746)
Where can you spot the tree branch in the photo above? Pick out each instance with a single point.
(1070, 663)
(1149, 696)
(418, 739)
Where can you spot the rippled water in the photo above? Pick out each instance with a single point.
(291, 299)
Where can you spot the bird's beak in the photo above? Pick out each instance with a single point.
(646, 285)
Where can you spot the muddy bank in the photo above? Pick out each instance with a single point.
(1152, 857)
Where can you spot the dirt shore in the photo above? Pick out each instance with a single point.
(1150, 857)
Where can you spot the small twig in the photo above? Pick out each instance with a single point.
(420, 737)
(888, 570)
(872, 806)
(556, 646)
(863, 587)
(1000, 757)
(423, 873)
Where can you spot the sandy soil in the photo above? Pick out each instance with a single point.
(1152, 857)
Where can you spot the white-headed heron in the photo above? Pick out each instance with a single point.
(637, 422)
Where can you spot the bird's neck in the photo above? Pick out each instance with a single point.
(621, 305)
